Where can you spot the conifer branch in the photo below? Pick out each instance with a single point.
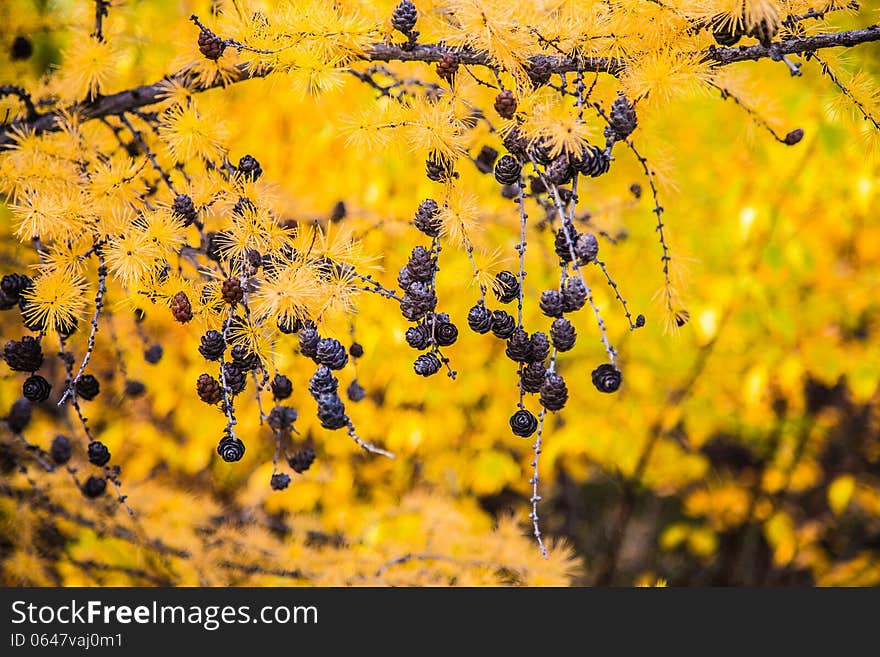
(150, 94)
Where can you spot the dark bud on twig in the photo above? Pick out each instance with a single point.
(282, 417)
(523, 423)
(794, 136)
(98, 453)
(153, 353)
(505, 104)
(562, 334)
(447, 67)
(503, 324)
(24, 355)
(355, 391)
(302, 460)
(134, 389)
(356, 350)
(427, 364)
(94, 487)
(209, 389)
(36, 389)
(60, 451)
(507, 170)
(554, 392)
(19, 415)
(87, 387)
(183, 207)
(282, 387)
(636, 190)
(21, 49)
(338, 212)
(331, 353)
(480, 319)
(210, 45)
(212, 345)
(606, 378)
(181, 308)
(506, 287)
(427, 218)
(279, 481)
(230, 449)
(640, 321)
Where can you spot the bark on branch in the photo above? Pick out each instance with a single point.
(133, 99)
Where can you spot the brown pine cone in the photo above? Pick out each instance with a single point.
(209, 389)
(181, 308)
(232, 292)
(447, 67)
(210, 45)
(505, 104)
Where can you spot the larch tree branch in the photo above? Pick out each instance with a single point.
(143, 96)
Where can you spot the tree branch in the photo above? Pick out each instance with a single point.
(132, 99)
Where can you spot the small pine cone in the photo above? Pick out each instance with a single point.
(439, 168)
(418, 336)
(36, 389)
(586, 248)
(98, 453)
(540, 346)
(212, 345)
(282, 417)
(11, 287)
(184, 208)
(339, 212)
(87, 387)
(289, 325)
(210, 45)
(405, 278)
(447, 67)
(551, 303)
(507, 170)
(506, 287)
(24, 355)
(420, 265)
(593, 161)
(356, 350)
(726, 32)
(94, 487)
(235, 378)
(503, 324)
(230, 449)
(249, 167)
(514, 142)
(622, 118)
(523, 423)
(331, 353)
(19, 415)
(541, 150)
(153, 353)
(209, 389)
(427, 364)
(331, 412)
(560, 170)
(532, 377)
(640, 321)
(282, 387)
(60, 451)
(561, 244)
(480, 319)
(539, 71)
(181, 308)
(404, 17)
(794, 137)
(419, 300)
(574, 295)
(505, 104)
(308, 341)
(355, 391)
(279, 481)
(518, 348)
(427, 218)
(323, 382)
(554, 393)
(607, 378)
(134, 389)
(485, 160)
(563, 334)
(445, 333)
(243, 359)
(302, 460)
(232, 292)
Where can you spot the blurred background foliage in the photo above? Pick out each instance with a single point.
(743, 448)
